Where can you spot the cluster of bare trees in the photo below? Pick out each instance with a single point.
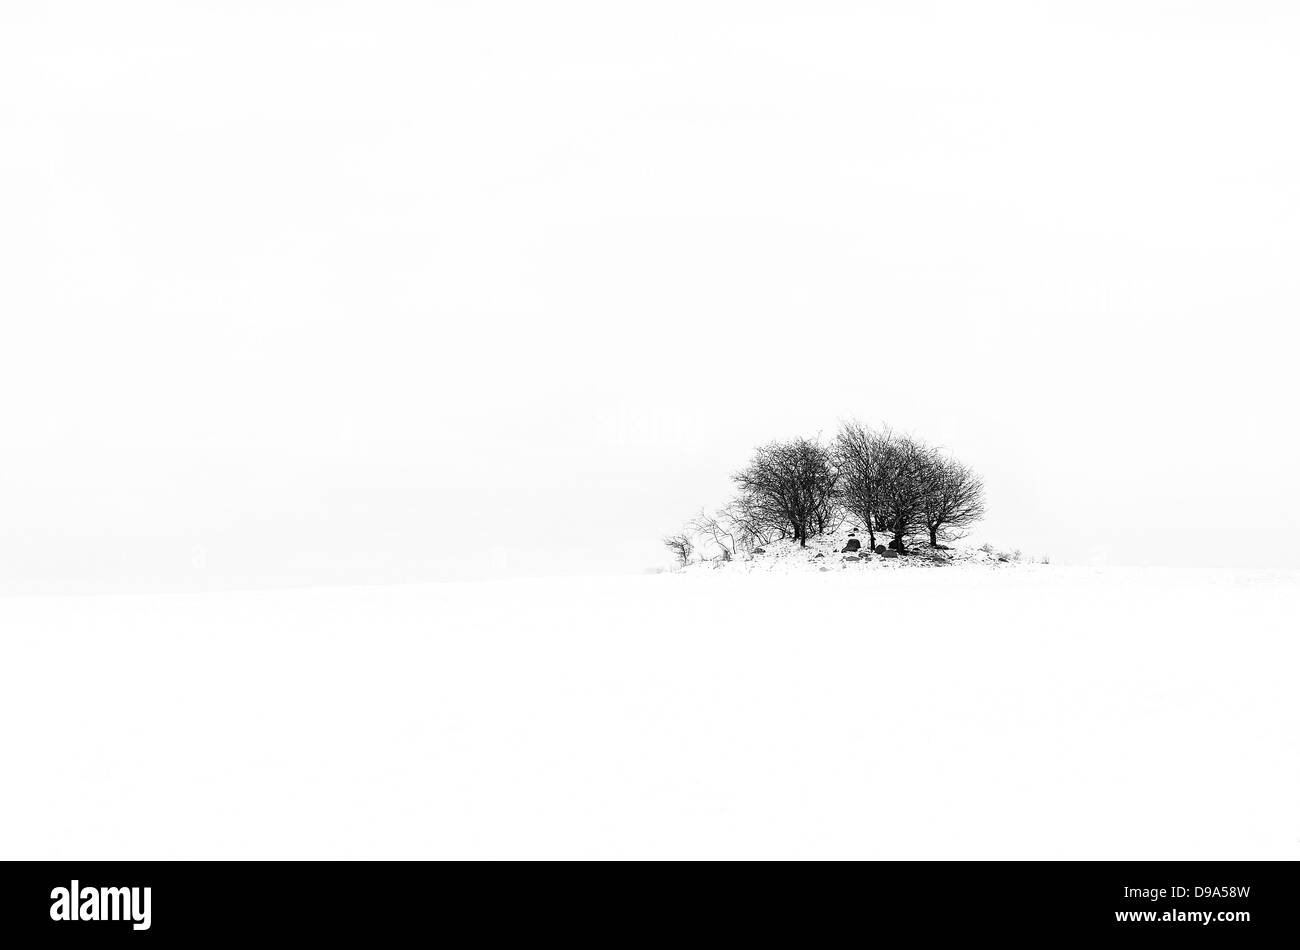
(899, 487)
(893, 486)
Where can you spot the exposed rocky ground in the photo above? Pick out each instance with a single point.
(828, 553)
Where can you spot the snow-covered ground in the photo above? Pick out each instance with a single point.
(826, 553)
(1025, 712)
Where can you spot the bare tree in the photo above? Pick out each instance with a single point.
(791, 485)
(857, 457)
(753, 522)
(681, 546)
(713, 528)
(901, 482)
(733, 529)
(761, 517)
(953, 498)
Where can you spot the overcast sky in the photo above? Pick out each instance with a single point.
(340, 292)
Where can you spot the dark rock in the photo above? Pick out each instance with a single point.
(852, 557)
(880, 549)
(819, 554)
(759, 551)
(896, 545)
(889, 554)
(853, 545)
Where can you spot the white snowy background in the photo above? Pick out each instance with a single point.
(337, 334)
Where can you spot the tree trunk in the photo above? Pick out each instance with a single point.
(934, 537)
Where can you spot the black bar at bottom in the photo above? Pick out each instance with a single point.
(130, 902)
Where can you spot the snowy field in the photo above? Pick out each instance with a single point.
(1025, 712)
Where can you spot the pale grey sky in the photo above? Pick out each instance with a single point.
(319, 292)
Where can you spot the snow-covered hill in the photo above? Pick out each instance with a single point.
(826, 553)
(1043, 712)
